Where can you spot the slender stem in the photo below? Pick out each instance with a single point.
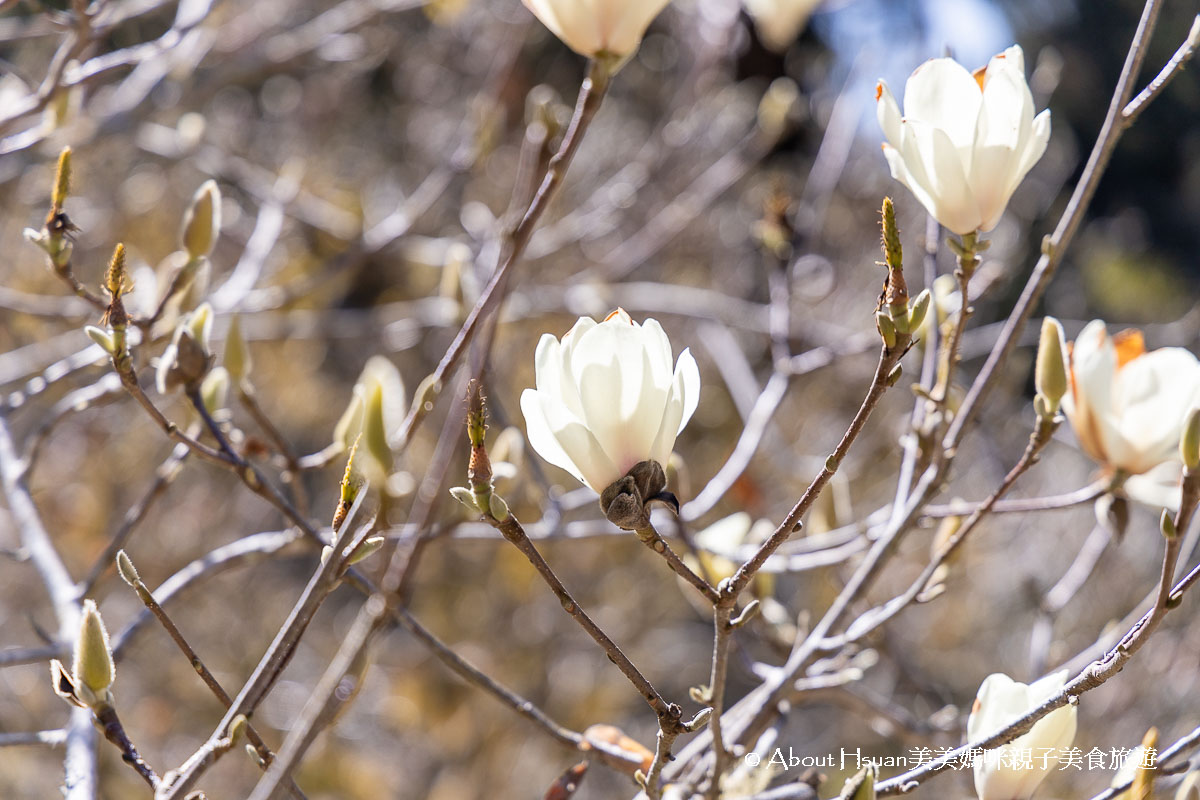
(265, 756)
(270, 666)
(662, 754)
(79, 764)
(1172, 68)
(511, 529)
(878, 616)
(888, 359)
(722, 636)
(650, 537)
(591, 94)
(110, 725)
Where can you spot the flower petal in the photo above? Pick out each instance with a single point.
(942, 94)
(565, 441)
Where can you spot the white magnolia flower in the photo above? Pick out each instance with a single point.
(779, 22)
(1128, 407)
(1001, 774)
(598, 27)
(965, 141)
(607, 398)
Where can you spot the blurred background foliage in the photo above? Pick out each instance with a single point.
(373, 147)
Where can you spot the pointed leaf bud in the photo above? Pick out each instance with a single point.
(499, 508)
(465, 496)
(237, 728)
(1050, 374)
(126, 569)
(62, 179)
(369, 547)
(102, 338)
(93, 656)
(1189, 441)
(215, 389)
(886, 327)
(1166, 524)
(375, 431)
(861, 786)
(200, 321)
(202, 222)
(237, 353)
(920, 307)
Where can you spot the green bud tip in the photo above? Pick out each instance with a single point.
(1166, 524)
(202, 222)
(891, 236)
(93, 656)
(476, 413)
(374, 430)
(1189, 441)
(114, 279)
(126, 569)
(1050, 371)
(62, 179)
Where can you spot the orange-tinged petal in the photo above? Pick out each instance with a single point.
(1130, 343)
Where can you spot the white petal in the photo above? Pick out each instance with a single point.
(941, 93)
(887, 111)
(685, 391)
(945, 178)
(565, 442)
(624, 22)
(1158, 488)
(1151, 395)
(1035, 146)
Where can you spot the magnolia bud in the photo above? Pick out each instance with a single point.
(93, 665)
(374, 431)
(861, 786)
(920, 307)
(126, 569)
(465, 496)
(237, 354)
(498, 507)
(1189, 441)
(102, 338)
(887, 328)
(1050, 373)
(214, 389)
(202, 222)
(62, 178)
(368, 548)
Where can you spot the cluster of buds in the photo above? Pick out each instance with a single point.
(481, 497)
(896, 317)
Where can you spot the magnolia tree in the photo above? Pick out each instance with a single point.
(851, 565)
